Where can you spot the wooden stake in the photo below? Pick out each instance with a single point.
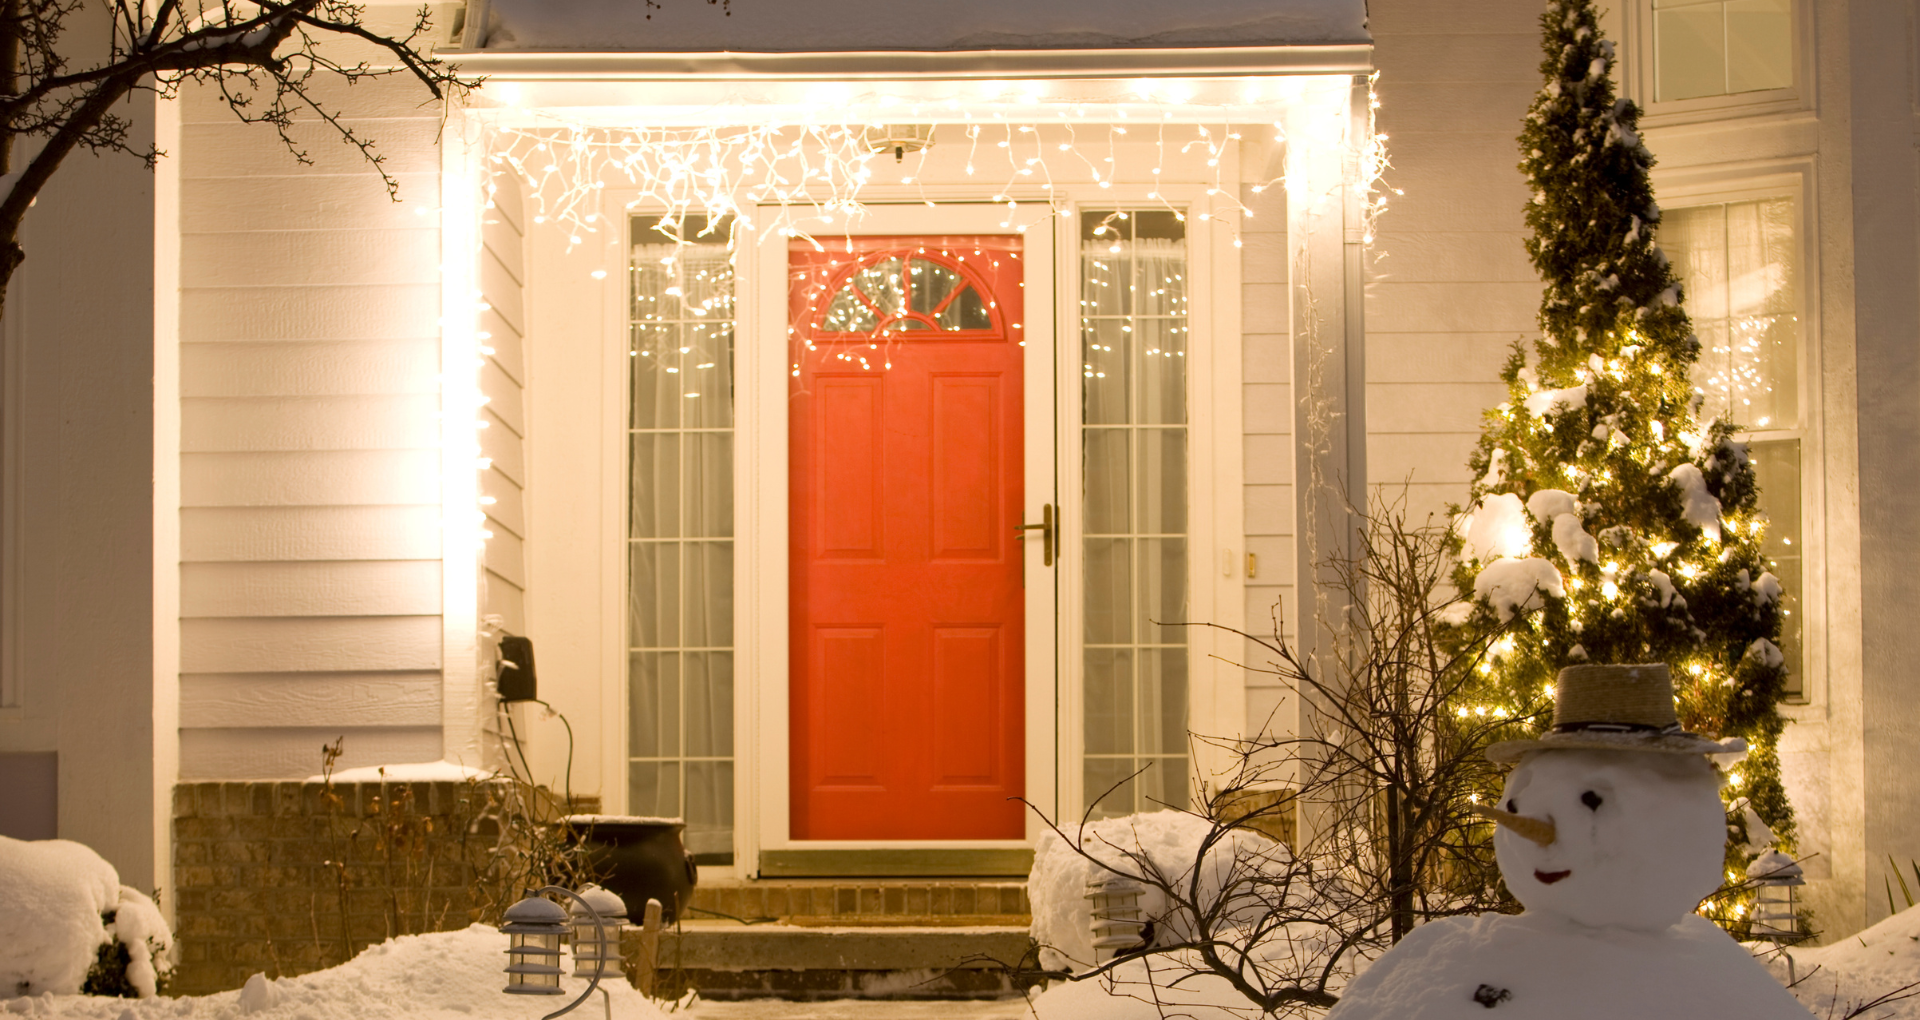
(648, 963)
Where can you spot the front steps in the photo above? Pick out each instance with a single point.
(813, 939)
(867, 902)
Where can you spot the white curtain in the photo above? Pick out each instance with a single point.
(680, 537)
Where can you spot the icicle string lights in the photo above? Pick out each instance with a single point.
(809, 179)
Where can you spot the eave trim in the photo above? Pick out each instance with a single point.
(951, 65)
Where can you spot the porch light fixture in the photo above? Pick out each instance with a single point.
(900, 139)
(534, 926)
(1117, 927)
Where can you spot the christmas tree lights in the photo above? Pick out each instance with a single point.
(1609, 523)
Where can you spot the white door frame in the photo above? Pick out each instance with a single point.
(763, 369)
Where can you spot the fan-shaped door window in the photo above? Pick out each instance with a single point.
(900, 292)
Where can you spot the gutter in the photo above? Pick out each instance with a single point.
(930, 65)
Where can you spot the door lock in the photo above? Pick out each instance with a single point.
(1047, 534)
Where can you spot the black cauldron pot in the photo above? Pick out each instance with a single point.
(638, 860)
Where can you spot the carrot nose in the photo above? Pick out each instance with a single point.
(1539, 830)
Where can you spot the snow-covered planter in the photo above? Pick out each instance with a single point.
(69, 926)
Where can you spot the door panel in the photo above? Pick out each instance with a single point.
(907, 696)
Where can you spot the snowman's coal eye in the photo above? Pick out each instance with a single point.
(1512, 808)
(1591, 799)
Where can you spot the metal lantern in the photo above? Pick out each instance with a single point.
(1775, 877)
(596, 948)
(1117, 926)
(534, 926)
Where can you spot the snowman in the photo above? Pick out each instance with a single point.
(1610, 833)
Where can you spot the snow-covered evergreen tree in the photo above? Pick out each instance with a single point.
(1608, 523)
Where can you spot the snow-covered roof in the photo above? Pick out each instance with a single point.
(795, 26)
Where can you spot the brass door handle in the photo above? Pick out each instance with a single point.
(1047, 534)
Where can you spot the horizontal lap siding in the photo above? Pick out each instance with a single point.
(503, 381)
(1266, 361)
(1449, 289)
(311, 574)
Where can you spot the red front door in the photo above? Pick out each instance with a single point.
(907, 629)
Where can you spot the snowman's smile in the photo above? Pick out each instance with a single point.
(1550, 877)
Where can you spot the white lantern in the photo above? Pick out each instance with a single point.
(596, 949)
(1775, 877)
(534, 926)
(1117, 926)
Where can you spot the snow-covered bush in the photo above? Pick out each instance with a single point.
(67, 924)
(1162, 845)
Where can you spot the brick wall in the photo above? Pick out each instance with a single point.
(286, 878)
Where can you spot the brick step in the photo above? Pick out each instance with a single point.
(830, 902)
(726, 960)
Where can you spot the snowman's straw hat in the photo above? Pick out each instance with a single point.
(1615, 708)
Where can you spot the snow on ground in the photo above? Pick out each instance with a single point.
(1859, 969)
(410, 772)
(54, 894)
(1133, 993)
(454, 975)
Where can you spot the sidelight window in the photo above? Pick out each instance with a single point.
(1133, 336)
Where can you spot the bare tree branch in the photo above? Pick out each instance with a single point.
(263, 57)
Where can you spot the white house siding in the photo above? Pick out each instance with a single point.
(1266, 366)
(1448, 284)
(310, 466)
(503, 381)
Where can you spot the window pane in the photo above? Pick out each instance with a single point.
(654, 481)
(1162, 489)
(653, 704)
(709, 484)
(1109, 701)
(1163, 590)
(706, 376)
(1759, 45)
(710, 811)
(1763, 303)
(709, 615)
(656, 392)
(653, 788)
(709, 704)
(1165, 784)
(1739, 263)
(1690, 58)
(1110, 791)
(1163, 695)
(1776, 466)
(1109, 482)
(1162, 360)
(654, 607)
(1106, 285)
(1106, 362)
(1109, 591)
